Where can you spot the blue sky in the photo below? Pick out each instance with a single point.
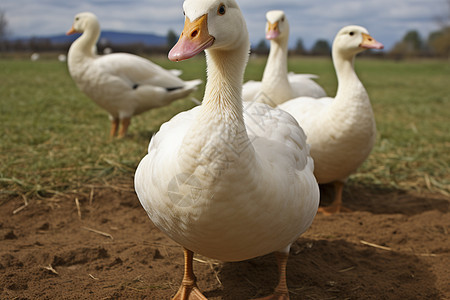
(386, 20)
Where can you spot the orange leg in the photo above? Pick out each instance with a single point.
(114, 127)
(336, 206)
(281, 291)
(124, 128)
(188, 289)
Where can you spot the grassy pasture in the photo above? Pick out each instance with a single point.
(54, 140)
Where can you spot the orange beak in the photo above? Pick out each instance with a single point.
(71, 31)
(272, 31)
(194, 39)
(370, 43)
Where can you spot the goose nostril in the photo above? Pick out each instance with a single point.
(194, 33)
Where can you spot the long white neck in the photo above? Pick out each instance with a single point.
(275, 83)
(277, 62)
(351, 110)
(84, 45)
(222, 101)
(350, 87)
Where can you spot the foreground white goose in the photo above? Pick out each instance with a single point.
(277, 86)
(342, 130)
(123, 84)
(217, 184)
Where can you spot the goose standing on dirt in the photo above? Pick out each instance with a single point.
(340, 130)
(219, 185)
(123, 84)
(277, 86)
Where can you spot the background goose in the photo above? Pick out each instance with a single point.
(218, 185)
(123, 84)
(277, 86)
(341, 131)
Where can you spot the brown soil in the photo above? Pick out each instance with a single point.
(48, 252)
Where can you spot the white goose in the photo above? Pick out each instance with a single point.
(342, 130)
(123, 84)
(277, 86)
(217, 184)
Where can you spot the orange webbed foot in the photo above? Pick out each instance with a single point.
(189, 292)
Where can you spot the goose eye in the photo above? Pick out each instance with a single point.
(221, 10)
(351, 33)
(77, 18)
(282, 19)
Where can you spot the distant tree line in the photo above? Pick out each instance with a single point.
(412, 45)
(45, 45)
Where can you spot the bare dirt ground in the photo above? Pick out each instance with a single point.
(113, 251)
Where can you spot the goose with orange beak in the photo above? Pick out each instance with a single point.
(277, 85)
(217, 183)
(123, 84)
(341, 130)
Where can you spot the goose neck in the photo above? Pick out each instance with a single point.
(87, 40)
(223, 92)
(277, 60)
(348, 81)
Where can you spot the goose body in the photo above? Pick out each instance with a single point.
(226, 180)
(123, 84)
(216, 197)
(277, 85)
(341, 130)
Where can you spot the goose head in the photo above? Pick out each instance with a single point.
(354, 39)
(277, 26)
(84, 21)
(210, 24)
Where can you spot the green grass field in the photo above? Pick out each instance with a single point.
(54, 140)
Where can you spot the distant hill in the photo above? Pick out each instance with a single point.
(107, 37)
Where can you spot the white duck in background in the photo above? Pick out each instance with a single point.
(215, 182)
(340, 130)
(277, 86)
(123, 84)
